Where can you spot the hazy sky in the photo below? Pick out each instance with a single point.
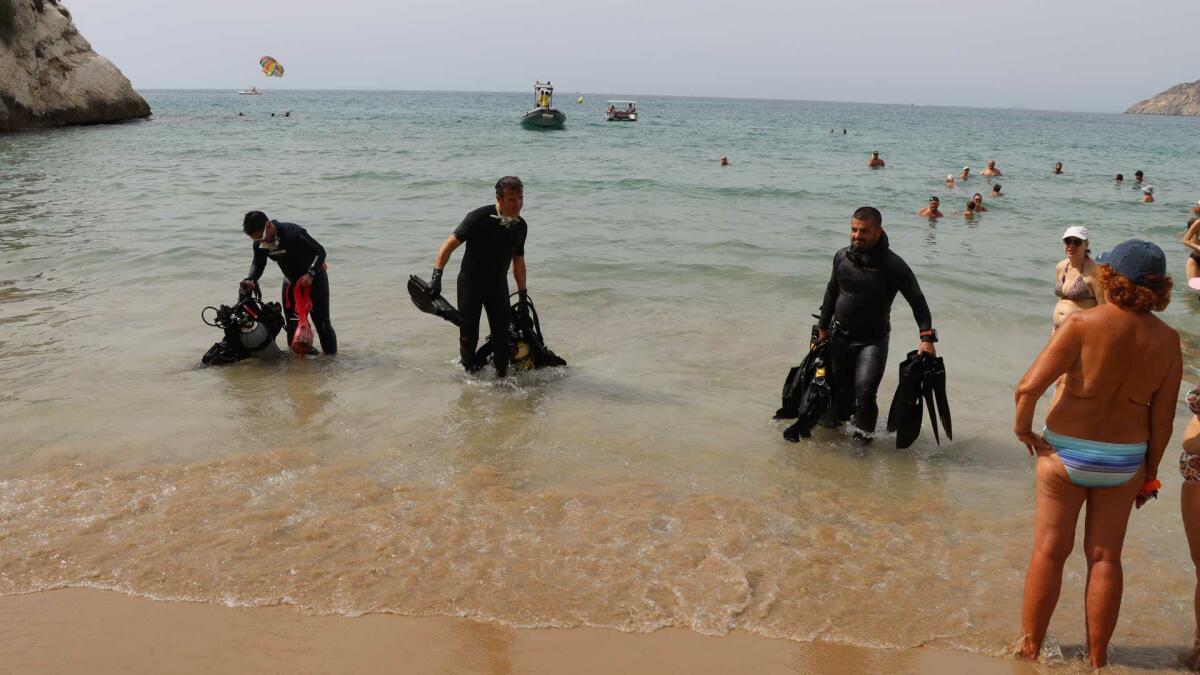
(1093, 55)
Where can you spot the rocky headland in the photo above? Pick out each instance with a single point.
(49, 75)
(1182, 99)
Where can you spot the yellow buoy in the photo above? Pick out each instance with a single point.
(580, 100)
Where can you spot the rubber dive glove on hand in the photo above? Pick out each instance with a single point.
(435, 282)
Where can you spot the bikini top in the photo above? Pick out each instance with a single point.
(1079, 290)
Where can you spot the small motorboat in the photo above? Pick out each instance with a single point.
(544, 115)
(252, 91)
(616, 113)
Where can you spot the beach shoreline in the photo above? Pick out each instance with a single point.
(79, 630)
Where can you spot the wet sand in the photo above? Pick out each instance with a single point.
(98, 632)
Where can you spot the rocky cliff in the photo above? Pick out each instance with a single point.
(49, 75)
(1182, 99)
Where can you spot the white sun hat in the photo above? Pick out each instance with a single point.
(1077, 231)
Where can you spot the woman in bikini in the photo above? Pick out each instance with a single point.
(1189, 502)
(1191, 239)
(1104, 437)
(1077, 279)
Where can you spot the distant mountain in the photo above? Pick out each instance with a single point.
(1182, 99)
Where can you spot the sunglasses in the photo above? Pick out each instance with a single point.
(1072, 241)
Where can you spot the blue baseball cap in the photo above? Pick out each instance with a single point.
(1137, 259)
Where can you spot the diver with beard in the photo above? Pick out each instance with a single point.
(856, 315)
(302, 261)
(495, 237)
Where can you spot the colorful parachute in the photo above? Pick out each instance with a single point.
(271, 67)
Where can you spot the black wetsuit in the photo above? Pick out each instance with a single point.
(298, 254)
(483, 283)
(857, 312)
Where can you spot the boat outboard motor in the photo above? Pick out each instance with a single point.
(250, 327)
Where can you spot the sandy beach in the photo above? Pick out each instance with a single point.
(99, 632)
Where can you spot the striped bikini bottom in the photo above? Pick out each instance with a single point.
(1096, 464)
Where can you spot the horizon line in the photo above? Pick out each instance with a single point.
(645, 95)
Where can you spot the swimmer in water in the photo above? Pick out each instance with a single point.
(1196, 208)
(969, 211)
(996, 191)
(950, 181)
(875, 162)
(966, 173)
(977, 200)
(991, 169)
(1147, 194)
(1138, 176)
(931, 211)
(724, 160)
(1120, 179)
(1057, 168)
(1191, 239)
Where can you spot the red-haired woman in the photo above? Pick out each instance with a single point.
(1104, 436)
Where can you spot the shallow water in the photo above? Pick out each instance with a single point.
(643, 486)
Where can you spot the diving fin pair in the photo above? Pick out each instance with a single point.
(922, 383)
(422, 296)
(933, 389)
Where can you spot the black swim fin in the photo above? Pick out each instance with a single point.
(927, 394)
(904, 416)
(422, 296)
(937, 375)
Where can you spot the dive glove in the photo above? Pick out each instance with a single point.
(435, 282)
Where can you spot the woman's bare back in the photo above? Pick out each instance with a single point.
(1121, 359)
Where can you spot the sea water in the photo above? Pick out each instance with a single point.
(643, 486)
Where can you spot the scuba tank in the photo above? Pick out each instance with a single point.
(250, 326)
(527, 346)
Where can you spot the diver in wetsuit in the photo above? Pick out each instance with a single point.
(856, 314)
(302, 261)
(495, 237)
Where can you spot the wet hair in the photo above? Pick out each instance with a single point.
(934, 198)
(254, 221)
(996, 187)
(868, 214)
(1138, 173)
(509, 184)
(1120, 177)
(971, 205)
(977, 195)
(1122, 292)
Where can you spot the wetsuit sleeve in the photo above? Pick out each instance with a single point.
(831, 294)
(467, 227)
(906, 281)
(315, 248)
(258, 264)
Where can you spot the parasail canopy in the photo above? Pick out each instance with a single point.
(271, 67)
